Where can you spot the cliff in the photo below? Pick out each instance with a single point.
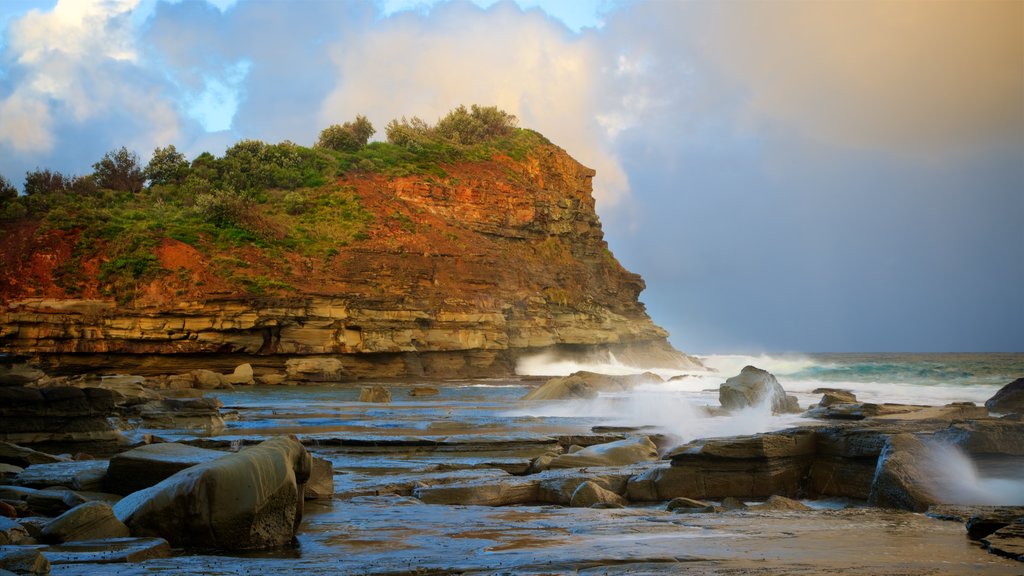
(458, 271)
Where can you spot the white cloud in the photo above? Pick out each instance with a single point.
(522, 62)
(25, 123)
(75, 64)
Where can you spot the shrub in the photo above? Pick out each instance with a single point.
(219, 207)
(408, 133)
(349, 137)
(167, 166)
(479, 124)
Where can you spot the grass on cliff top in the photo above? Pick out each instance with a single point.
(271, 197)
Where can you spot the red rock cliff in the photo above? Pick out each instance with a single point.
(458, 275)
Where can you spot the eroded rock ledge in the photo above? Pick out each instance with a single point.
(456, 277)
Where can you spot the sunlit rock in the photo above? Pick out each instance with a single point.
(248, 500)
(753, 386)
(585, 385)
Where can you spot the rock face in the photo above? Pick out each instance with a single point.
(1009, 399)
(902, 467)
(29, 415)
(457, 276)
(243, 501)
(584, 385)
(751, 387)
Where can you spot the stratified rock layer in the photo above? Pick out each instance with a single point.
(458, 276)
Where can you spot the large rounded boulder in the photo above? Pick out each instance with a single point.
(751, 387)
(244, 501)
(618, 453)
(1009, 399)
(585, 385)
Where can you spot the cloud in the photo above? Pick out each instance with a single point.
(74, 65)
(925, 79)
(425, 64)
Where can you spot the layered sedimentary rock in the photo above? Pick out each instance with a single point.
(458, 276)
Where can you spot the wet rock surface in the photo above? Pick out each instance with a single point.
(449, 483)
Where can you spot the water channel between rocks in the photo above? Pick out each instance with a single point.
(481, 430)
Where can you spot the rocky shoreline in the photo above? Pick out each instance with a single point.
(117, 494)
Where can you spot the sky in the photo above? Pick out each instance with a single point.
(799, 176)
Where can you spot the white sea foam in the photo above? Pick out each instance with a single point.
(790, 370)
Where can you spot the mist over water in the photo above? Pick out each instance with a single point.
(677, 406)
(956, 479)
(929, 379)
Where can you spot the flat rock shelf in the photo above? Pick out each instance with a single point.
(479, 433)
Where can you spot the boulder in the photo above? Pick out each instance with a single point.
(60, 414)
(149, 465)
(8, 510)
(78, 475)
(781, 503)
(558, 486)
(242, 376)
(1009, 399)
(375, 394)
(315, 369)
(619, 453)
(320, 485)
(183, 413)
(589, 494)
(683, 504)
(208, 379)
(244, 501)
(834, 396)
(751, 387)
(51, 502)
(421, 391)
(19, 374)
(25, 457)
(129, 387)
(89, 521)
(11, 532)
(24, 561)
(901, 474)
(9, 471)
(586, 385)
(1007, 541)
(272, 379)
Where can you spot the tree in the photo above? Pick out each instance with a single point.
(119, 170)
(42, 181)
(167, 166)
(7, 190)
(349, 137)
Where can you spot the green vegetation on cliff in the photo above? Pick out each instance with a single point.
(275, 198)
